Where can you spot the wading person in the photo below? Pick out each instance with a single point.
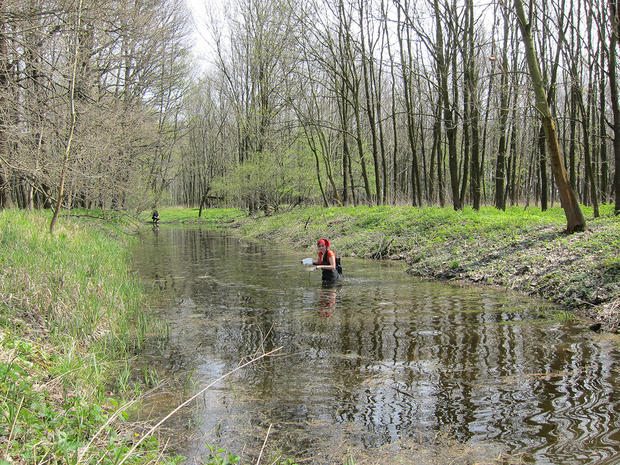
(327, 262)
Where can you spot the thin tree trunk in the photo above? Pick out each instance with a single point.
(407, 63)
(394, 120)
(325, 150)
(602, 102)
(475, 117)
(574, 216)
(602, 129)
(500, 199)
(370, 108)
(587, 156)
(377, 86)
(615, 103)
(467, 103)
(72, 124)
(5, 193)
(450, 124)
(542, 168)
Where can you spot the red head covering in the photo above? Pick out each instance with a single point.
(324, 242)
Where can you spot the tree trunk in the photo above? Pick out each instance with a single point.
(406, 63)
(393, 104)
(574, 216)
(5, 193)
(615, 103)
(475, 129)
(72, 124)
(376, 79)
(325, 150)
(587, 155)
(603, 136)
(448, 113)
(500, 164)
(601, 19)
(437, 144)
(367, 69)
(542, 168)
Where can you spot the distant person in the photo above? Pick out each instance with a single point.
(327, 261)
(155, 216)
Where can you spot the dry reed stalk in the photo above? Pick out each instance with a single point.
(264, 444)
(8, 443)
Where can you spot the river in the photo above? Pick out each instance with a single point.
(382, 368)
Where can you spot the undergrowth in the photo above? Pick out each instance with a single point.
(71, 316)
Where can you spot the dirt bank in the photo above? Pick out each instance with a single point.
(579, 271)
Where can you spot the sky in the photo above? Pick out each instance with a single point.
(202, 48)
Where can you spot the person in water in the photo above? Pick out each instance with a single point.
(327, 261)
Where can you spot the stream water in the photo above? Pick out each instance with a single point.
(382, 367)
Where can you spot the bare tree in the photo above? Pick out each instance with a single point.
(615, 99)
(574, 217)
(73, 114)
(5, 194)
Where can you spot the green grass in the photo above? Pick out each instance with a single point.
(71, 314)
(363, 230)
(180, 215)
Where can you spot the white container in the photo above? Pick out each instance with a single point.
(307, 261)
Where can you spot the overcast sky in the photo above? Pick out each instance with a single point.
(198, 9)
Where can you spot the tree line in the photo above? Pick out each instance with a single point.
(401, 101)
(91, 97)
(337, 102)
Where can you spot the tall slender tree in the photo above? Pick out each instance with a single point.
(574, 216)
(615, 98)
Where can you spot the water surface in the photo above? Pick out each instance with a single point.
(384, 367)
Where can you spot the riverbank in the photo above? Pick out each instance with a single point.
(72, 318)
(523, 249)
(72, 315)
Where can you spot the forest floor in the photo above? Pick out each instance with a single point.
(522, 249)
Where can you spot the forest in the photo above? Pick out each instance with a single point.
(108, 104)
(305, 119)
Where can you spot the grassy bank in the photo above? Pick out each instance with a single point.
(215, 217)
(71, 319)
(521, 249)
